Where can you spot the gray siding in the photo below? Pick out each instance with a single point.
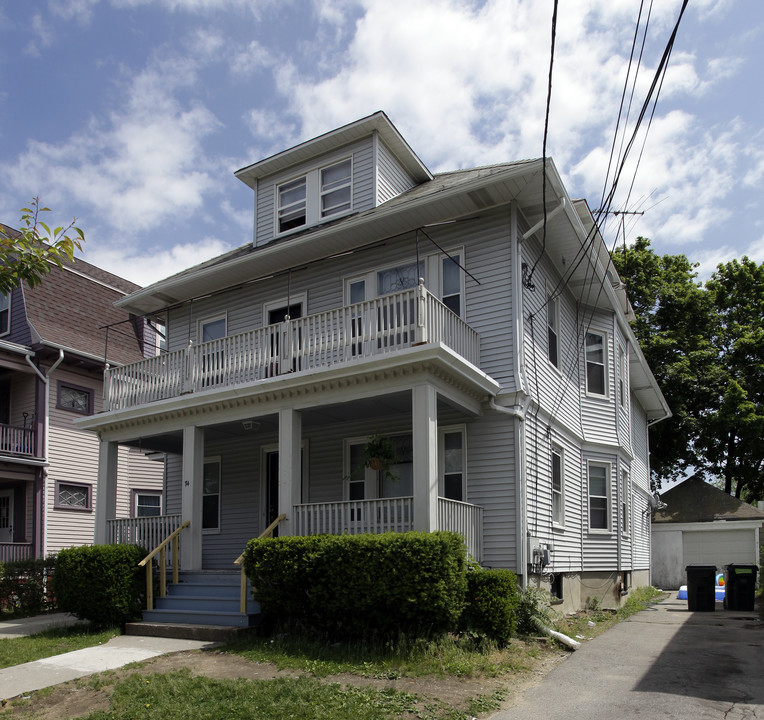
(19, 330)
(392, 177)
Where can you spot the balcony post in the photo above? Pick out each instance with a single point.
(191, 497)
(285, 344)
(421, 314)
(290, 466)
(425, 436)
(106, 490)
(188, 385)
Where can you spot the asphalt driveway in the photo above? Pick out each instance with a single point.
(663, 663)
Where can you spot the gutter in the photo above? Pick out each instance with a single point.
(46, 433)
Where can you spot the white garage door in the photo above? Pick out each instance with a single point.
(720, 548)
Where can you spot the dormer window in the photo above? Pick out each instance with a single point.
(320, 194)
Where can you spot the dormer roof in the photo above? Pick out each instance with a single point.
(333, 140)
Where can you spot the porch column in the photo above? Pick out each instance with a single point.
(290, 466)
(425, 437)
(106, 489)
(191, 498)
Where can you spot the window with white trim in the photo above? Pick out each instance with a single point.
(599, 495)
(552, 322)
(147, 503)
(73, 496)
(5, 313)
(319, 194)
(595, 364)
(558, 498)
(211, 482)
(621, 377)
(452, 279)
(453, 474)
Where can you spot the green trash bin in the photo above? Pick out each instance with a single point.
(739, 586)
(701, 587)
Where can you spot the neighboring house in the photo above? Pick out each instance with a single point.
(702, 525)
(442, 311)
(52, 344)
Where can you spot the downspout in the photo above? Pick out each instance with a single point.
(46, 440)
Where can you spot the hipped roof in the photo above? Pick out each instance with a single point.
(694, 500)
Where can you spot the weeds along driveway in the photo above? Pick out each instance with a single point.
(663, 662)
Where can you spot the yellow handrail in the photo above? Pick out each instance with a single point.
(146, 562)
(268, 532)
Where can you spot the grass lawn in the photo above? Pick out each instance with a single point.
(15, 651)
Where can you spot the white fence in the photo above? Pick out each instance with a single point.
(147, 532)
(362, 330)
(17, 440)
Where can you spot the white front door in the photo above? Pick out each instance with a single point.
(6, 516)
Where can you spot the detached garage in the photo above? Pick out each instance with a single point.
(701, 524)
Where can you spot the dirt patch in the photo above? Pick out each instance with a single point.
(87, 695)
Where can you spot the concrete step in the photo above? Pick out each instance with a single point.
(207, 633)
(197, 617)
(209, 603)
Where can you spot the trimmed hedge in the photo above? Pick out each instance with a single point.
(360, 585)
(492, 604)
(101, 583)
(25, 587)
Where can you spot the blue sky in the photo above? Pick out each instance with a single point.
(134, 114)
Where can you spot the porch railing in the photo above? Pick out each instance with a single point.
(147, 532)
(465, 519)
(347, 334)
(354, 517)
(161, 550)
(17, 440)
(10, 552)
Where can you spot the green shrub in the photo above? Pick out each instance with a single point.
(492, 604)
(533, 610)
(101, 583)
(25, 587)
(360, 585)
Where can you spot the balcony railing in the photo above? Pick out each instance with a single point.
(387, 324)
(10, 552)
(17, 440)
(356, 517)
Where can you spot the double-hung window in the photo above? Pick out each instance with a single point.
(453, 463)
(451, 283)
(595, 364)
(621, 377)
(147, 503)
(599, 496)
(211, 482)
(5, 313)
(552, 323)
(558, 505)
(625, 497)
(319, 194)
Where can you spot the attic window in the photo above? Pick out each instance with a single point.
(292, 204)
(335, 189)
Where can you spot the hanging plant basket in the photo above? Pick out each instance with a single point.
(379, 455)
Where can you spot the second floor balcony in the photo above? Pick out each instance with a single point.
(17, 441)
(345, 335)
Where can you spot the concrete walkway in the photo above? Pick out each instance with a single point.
(664, 662)
(116, 653)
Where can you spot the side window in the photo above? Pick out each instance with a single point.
(625, 498)
(73, 496)
(75, 398)
(211, 483)
(622, 377)
(451, 283)
(212, 329)
(595, 364)
(453, 464)
(147, 503)
(558, 498)
(5, 313)
(552, 323)
(599, 496)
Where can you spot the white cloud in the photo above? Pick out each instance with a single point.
(148, 267)
(79, 10)
(255, 57)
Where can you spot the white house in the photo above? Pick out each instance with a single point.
(485, 335)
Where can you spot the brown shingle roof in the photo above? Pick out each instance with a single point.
(694, 500)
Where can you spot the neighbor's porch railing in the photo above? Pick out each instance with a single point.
(161, 550)
(10, 552)
(146, 532)
(344, 335)
(17, 440)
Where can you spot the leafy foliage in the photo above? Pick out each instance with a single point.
(705, 345)
(26, 255)
(100, 583)
(354, 586)
(492, 604)
(25, 587)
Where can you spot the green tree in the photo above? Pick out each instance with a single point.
(704, 345)
(26, 254)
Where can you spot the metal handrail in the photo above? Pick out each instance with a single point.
(146, 562)
(268, 532)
